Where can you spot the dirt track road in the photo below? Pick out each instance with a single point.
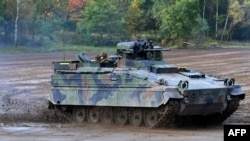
(24, 88)
(45, 132)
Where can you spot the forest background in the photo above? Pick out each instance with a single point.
(53, 23)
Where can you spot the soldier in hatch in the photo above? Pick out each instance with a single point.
(101, 57)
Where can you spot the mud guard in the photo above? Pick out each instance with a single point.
(237, 91)
(171, 93)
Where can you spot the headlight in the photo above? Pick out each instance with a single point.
(182, 86)
(229, 82)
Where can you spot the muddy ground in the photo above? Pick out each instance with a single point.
(25, 85)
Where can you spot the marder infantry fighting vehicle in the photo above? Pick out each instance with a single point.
(136, 87)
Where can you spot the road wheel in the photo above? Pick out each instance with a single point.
(121, 116)
(106, 115)
(136, 117)
(150, 118)
(93, 115)
(79, 114)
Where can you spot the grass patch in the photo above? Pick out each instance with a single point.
(215, 43)
(56, 48)
(234, 44)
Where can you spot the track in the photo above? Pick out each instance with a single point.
(165, 116)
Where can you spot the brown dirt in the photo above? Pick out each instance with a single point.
(25, 81)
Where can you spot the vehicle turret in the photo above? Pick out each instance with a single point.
(140, 50)
(141, 53)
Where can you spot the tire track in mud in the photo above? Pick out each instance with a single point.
(23, 81)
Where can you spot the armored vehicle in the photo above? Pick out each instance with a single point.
(137, 87)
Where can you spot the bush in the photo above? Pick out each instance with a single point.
(68, 37)
(100, 40)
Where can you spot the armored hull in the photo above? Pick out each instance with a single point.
(139, 89)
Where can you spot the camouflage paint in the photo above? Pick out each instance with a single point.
(112, 89)
(124, 87)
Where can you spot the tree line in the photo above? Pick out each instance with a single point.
(106, 22)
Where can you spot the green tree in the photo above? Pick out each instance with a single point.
(179, 19)
(236, 13)
(2, 21)
(103, 23)
(8, 14)
(135, 17)
(140, 19)
(215, 23)
(159, 10)
(150, 21)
